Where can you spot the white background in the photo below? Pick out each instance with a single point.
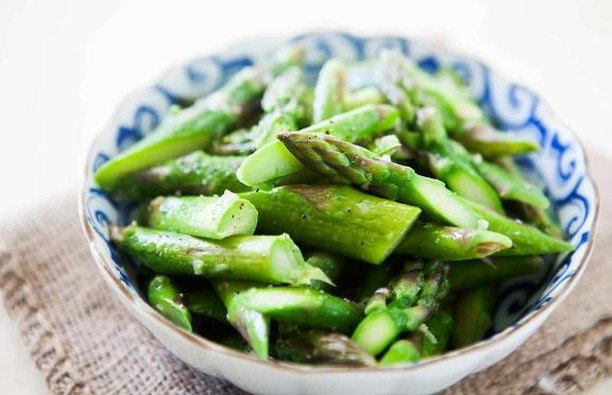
(65, 65)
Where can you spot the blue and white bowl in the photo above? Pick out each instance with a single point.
(560, 165)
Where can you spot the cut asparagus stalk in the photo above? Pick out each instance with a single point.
(252, 325)
(185, 130)
(455, 170)
(414, 302)
(302, 306)
(331, 265)
(284, 105)
(526, 240)
(329, 91)
(510, 187)
(166, 298)
(274, 259)
(440, 325)
(486, 140)
(197, 173)
(344, 162)
(205, 302)
(321, 348)
(216, 217)
(450, 243)
(273, 160)
(400, 352)
(338, 219)
(473, 316)
(470, 274)
(361, 97)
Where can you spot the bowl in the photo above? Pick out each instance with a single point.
(524, 304)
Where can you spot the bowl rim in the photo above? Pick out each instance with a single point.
(137, 302)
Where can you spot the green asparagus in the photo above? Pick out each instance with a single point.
(347, 163)
(252, 325)
(329, 92)
(366, 95)
(203, 301)
(166, 298)
(472, 316)
(216, 217)
(338, 219)
(197, 173)
(274, 259)
(273, 160)
(486, 140)
(401, 352)
(475, 273)
(450, 243)
(510, 187)
(526, 239)
(318, 348)
(414, 301)
(185, 130)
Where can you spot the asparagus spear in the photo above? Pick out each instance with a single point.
(475, 273)
(418, 346)
(543, 219)
(454, 169)
(301, 306)
(344, 162)
(363, 96)
(238, 142)
(329, 91)
(166, 298)
(338, 219)
(401, 352)
(486, 140)
(511, 187)
(197, 173)
(274, 259)
(273, 160)
(526, 240)
(413, 303)
(440, 326)
(252, 325)
(316, 347)
(450, 243)
(185, 130)
(473, 316)
(392, 78)
(331, 265)
(205, 302)
(284, 105)
(215, 217)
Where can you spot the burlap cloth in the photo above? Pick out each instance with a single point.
(84, 342)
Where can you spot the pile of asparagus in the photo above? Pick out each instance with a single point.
(367, 220)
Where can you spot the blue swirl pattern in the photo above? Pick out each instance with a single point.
(560, 164)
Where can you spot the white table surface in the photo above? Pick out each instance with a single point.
(64, 66)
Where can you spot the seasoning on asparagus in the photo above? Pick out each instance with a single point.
(212, 217)
(347, 163)
(338, 219)
(274, 259)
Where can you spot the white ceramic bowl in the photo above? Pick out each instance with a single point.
(524, 304)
